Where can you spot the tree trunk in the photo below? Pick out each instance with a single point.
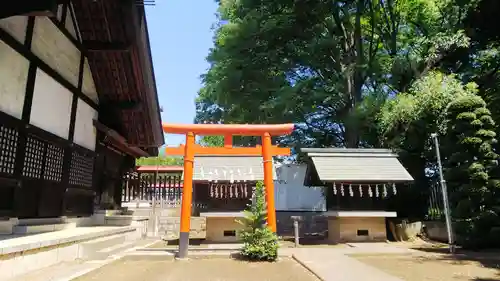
(355, 78)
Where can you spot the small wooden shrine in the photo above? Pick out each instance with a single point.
(357, 183)
(223, 187)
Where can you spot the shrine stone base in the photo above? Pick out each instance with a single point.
(223, 227)
(357, 226)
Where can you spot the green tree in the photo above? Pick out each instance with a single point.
(406, 123)
(469, 165)
(325, 66)
(159, 160)
(260, 243)
(441, 103)
(212, 141)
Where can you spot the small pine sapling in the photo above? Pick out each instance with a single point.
(259, 242)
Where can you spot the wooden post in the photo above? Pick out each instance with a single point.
(296, 232)
(268, 180)
(228, 141)
(186, 197)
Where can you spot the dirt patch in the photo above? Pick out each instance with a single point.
(157, 269)
(432, 262)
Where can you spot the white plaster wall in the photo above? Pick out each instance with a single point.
(88, 85)
(51, 109)
(13, 76)
(15, 26)
(292, 195)
(85, 134)
(55, 49)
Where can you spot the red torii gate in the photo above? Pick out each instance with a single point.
(267, 151)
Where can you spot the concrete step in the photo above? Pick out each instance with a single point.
(41, 228)
(142, 212)
(110, 251)
(58, 272)
(89, 248)
(38, 221)
(66, 271)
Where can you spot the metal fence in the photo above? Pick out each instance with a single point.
(435, 209)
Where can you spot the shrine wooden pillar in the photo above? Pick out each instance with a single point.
(187, 196)
(268, 180)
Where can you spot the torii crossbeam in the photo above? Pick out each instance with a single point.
(190, 149)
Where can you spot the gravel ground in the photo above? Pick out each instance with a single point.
(431, 262)
(155, 269)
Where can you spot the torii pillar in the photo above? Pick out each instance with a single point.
(190, 149)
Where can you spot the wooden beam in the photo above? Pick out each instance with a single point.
(229, 129)
(100, 46)
(119, 141)
(47, 13)
(29, 8)
(229, 151)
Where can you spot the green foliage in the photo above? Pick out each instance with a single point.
(212, 141)
(260, 243)
(474, 195)
(406, 123)
(159, 160)
(441, 103)
(325, 65)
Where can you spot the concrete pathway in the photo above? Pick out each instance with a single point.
(333, 265)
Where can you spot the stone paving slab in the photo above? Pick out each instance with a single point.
(334, 265)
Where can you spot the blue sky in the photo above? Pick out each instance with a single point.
(180, 35)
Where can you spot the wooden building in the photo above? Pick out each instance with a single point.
(357, 182)
(147, 184)
(223, 187)
(78, 104)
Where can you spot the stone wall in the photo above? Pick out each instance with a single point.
(436, 230)
(347, 229)
(169, 227)
(217, 226)
(311, 223)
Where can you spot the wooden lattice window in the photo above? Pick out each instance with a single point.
(54, 163)
(8, 148)
(33, 159)
(82, 167)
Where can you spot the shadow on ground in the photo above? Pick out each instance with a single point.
(488, 259)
